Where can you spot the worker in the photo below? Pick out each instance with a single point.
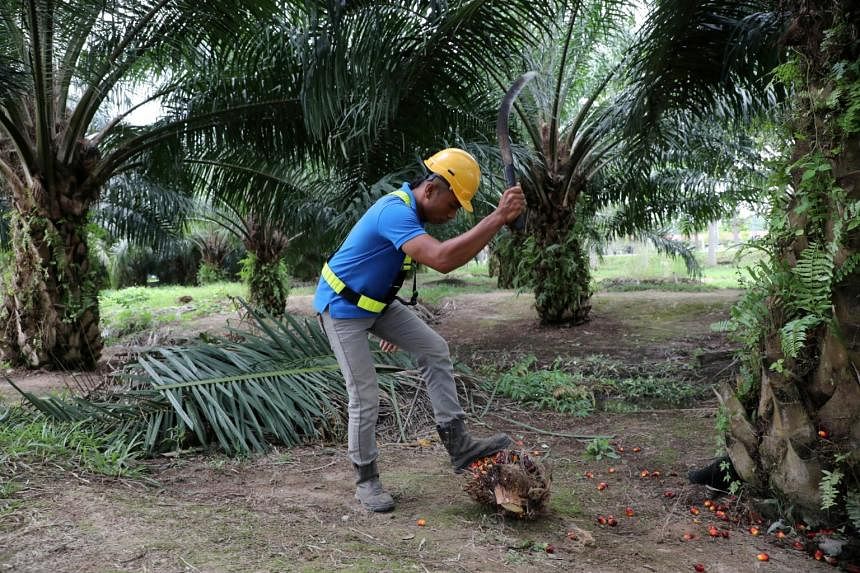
(356, 296)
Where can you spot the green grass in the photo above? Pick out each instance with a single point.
(27, 438)
(434, 287)
(651, 266)
(135, 309)
(596, 382)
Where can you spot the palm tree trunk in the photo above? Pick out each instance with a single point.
(268, 283)
(50, 312)
(801, 415)
(561, 272)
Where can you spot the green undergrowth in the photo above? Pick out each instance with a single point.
(597, 383)
(30, 442)
(652, 271)
(135, 309)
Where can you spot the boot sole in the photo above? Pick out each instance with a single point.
(376, 509)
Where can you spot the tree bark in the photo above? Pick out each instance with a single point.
(805, 415)
(51, 312)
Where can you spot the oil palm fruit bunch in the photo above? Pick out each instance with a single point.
(513, 482)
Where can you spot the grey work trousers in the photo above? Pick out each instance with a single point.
(403, 328)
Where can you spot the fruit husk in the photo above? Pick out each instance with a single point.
(512, 482)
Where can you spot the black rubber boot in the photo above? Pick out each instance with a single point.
(369, 490)
(713, 475)
(465, 449)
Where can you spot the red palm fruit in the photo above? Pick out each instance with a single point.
(819, 555)
(798, 545)
(611, 470)
(669, 493)
(763, 557)
(754, 530)
(601, 520)
(699, 568)
(713, 531)
(589, 475)
(602, 486)
(629, 511)
(644, 474)
(707, 503)
(695, 510)
(637, 449)
(656, 474)
(780, 534)
(689, 536)
(611, 521)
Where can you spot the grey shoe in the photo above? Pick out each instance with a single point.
(464, 449)
(369, 490)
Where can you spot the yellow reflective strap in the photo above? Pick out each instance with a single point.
(335, 283)
(404, 196)
(370, 304)
(407, 263)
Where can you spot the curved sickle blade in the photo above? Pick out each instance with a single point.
(504, 135)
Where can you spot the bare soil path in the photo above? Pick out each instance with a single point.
(292, 510)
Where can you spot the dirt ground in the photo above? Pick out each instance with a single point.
(293, 510)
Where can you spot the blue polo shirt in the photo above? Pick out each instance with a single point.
(370, 258)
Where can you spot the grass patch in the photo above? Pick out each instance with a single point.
(564, 501)
(650, 270)
(434, 287)
(27, 439)
(597, 382)
(129, 310)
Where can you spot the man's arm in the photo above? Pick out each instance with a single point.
(454, 253)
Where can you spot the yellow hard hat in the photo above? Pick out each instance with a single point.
(460, 170)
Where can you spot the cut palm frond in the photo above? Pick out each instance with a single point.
(277, 383)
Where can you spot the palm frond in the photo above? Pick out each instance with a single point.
(279, 383)
(706, 56)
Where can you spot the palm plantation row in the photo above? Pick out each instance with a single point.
(283, 120)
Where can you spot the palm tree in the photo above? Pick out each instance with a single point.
(591, 177)
(63, 68)
(792, 421)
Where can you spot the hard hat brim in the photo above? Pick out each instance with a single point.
(467, 205)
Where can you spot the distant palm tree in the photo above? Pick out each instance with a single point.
(593, 175)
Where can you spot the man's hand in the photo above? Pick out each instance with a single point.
(511, 204)
(386, 346)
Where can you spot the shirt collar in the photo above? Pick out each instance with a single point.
(414, 204)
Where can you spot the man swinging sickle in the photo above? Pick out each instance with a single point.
(356, 295)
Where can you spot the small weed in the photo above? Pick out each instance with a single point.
(600, 448)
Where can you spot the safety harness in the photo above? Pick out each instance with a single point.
(365, 302)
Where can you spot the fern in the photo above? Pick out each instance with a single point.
(814, 273)
(793, 334)
(828, 486)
